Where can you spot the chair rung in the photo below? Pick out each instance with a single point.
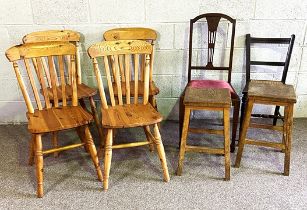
(267, 116)
(209, 131)
(265, 143)
(134, 144)
(264, 126)
(62, 148)
(205, 150)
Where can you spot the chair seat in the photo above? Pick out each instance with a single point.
(271, 90)
(153, 89)
(83, 91)
(130, 115)
(217, 84)
(56, 119)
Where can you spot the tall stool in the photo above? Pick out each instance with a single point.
(212, 100)
(269, 93)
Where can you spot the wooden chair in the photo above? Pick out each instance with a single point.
(145, 34)
(269, 93)
(285, 65)
(50, 117)
(84, 91)
(131, 112)
(211, 100)
(212, 20)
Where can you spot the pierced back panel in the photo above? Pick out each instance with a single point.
(121, 62)
(213, 20)
(37, 61)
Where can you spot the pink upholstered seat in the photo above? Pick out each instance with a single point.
(212, 84)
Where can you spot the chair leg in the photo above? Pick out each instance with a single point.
(96, 118)
(39, 162)
(32, 150)
(92, 149)
(107, 158)
(289, 122)
(243, 106)
(82, 103)
(276, 113)
(183, 142)
(81, 134)
(246, 121)
(181, 117)
(147, 133)
(226, 144)
(161, 152)
(235, 118)
(55, 143)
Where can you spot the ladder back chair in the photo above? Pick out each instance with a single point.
(146, 34)
(84, 91)
(249, 41)
(131, 112)
(212, 21)
(51, 116)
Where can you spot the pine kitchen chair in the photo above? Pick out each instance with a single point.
(146, 34)
(131, 112)
(47, 117)
(84, 91)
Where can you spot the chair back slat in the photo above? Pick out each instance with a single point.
(63, 81)
(37, 53)
(46, 71)
(121, 67)
(136, 78)
(130, 50)
(33, 85)
(128, 78)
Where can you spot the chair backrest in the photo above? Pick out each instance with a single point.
(146, 34)
(278, 41)
(58, 35)
(29, 57)
(123, 58)
(212, 20)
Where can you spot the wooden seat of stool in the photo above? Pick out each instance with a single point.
(212, 100)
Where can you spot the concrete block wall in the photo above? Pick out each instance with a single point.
(267, 18)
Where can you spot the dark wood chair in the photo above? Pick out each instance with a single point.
(135, 110)
(252, 41)
(50, 117)
(212, 21)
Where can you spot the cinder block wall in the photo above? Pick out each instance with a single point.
(170, 18)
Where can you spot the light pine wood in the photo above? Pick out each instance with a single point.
(55, 143)
(119, 113)
(269, 93)
(148, 35)
(56, 115)
(212, 100)
(83, 91)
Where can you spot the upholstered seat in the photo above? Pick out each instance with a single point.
(219, 84)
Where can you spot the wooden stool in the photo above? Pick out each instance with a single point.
(206, 99)
(269, 93)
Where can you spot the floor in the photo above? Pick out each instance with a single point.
(136, 176)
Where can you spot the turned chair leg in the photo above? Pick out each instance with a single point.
(289, 122)
(243, 133)
(147, 133)
(96, 118)
(235, 118)
(161, 152)
(92, 149)
(39, 162)
(32, 150)
(81, 134)
(55, 143)
(227, 143)
(107, 158)
(183, 142)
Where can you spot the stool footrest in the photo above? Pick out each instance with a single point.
(208, 150)
(134, 144)
(264, 126)
(265, 143)
(209, 131)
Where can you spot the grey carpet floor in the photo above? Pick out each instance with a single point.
(136, 176)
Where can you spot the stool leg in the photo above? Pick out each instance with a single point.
(289, 122)
(107, 159)
(183, 142)
(39, 162)
(246, 121)
(226, 144)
